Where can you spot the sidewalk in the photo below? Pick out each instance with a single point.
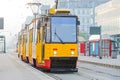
(108, 62)
(11, 68)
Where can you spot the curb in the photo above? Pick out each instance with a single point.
(100, 64)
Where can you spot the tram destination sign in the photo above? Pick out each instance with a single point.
(1, 23)
(95, 30)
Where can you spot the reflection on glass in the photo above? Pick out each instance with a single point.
(63, 29)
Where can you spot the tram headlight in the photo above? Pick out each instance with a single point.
(54, 52)
(72, 52)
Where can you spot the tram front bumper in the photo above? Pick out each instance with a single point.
(63, 64)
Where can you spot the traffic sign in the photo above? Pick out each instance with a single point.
(1, 23)
(95, 30)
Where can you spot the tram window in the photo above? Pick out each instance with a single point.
(38, 24)
(34, 35)
(63, 29)
(31, 35)
(38, 36)
(47, 30)
(48, 34)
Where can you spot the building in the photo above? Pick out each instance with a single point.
(44, 9)
(108, 16)
(84, 9)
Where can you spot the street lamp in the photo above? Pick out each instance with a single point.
(56, 4)
(35, 9)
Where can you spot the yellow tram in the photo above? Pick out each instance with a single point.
(22, 36)
(52, 43)
(19, 44)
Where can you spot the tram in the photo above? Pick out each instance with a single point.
(19, 44)
(22, 37)
(52, 41)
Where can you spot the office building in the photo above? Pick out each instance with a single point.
(108, 16)
(84, 9)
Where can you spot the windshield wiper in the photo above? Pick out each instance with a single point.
(59, 38)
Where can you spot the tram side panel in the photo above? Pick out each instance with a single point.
(30, 46)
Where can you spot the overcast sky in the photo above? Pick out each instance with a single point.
(15, 13)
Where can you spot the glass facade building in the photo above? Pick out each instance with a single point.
(84, 9)
(108, 16)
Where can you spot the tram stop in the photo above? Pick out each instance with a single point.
(115, 49)
(2, 44)
(107, 46)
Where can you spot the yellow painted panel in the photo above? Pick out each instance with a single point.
(24, 51)
(24, 46)
(61, 50)
(19, 49)
(30, 45)
(19, 45)
(30, 52)
(38, 53)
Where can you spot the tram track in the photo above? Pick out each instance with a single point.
(59, 77)
(97, 75)
(98, 71)
(84, 73)
(54, 76)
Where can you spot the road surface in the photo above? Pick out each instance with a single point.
(12, 68)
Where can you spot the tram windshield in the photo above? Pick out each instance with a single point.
(63, 29)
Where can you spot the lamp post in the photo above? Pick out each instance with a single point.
(56, 4)
(35, 9)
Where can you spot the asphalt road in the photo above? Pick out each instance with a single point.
(12, 68)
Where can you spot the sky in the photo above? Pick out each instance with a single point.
(15, 13)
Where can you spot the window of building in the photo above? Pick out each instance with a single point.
(88, 20)
(83, 12)
(91, 11)
(83, 20)
(63, 5)
(79, 11)
(86, 12)
(91, 21)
